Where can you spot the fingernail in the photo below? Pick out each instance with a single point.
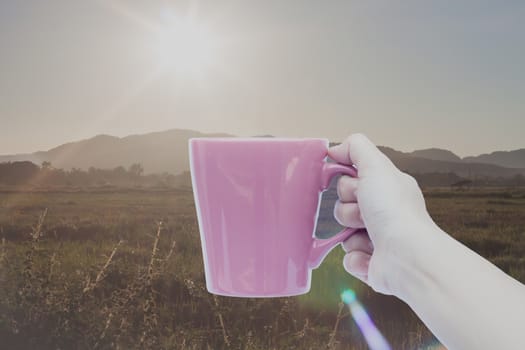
(356, 264)
(336, 146)
(349, 263)
(353, 260)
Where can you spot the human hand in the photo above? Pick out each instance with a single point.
(388, 204)
(401, 251)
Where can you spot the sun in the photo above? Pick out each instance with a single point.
(186, 46)
(182, 42)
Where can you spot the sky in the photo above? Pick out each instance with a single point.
(409, 74)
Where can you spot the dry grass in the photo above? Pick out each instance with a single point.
(91, 276)
(332, 342)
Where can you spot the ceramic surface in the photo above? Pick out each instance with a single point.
(257, 202)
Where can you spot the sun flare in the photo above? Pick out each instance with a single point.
(186, 46)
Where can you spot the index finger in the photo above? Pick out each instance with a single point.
(357, 149)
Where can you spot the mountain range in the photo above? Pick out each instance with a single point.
(157, 152)
(167, 151)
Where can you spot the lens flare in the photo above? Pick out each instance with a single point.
(373, 337)
(348, 296)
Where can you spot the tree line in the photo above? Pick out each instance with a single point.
(45, 175)
(22, 173)
(455, 181)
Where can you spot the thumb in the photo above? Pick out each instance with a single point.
(357, 149)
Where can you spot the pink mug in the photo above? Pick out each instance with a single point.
(257, 202)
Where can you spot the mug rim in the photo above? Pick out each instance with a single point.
(255, 138)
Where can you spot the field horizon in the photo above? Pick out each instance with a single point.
(167, 151)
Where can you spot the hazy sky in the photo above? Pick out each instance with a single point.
(411, 74)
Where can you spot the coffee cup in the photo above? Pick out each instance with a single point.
(257, 203)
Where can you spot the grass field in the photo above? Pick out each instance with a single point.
(93, 269)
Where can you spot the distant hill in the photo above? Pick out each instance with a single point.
(464, 169)
(167, 151)
(158, 152)
(408, 162)
(511, 159)
(436, 154)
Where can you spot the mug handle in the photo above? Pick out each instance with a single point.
(321, 247)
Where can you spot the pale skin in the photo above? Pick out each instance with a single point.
(467, 302)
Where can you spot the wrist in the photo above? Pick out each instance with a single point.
(408, 255)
